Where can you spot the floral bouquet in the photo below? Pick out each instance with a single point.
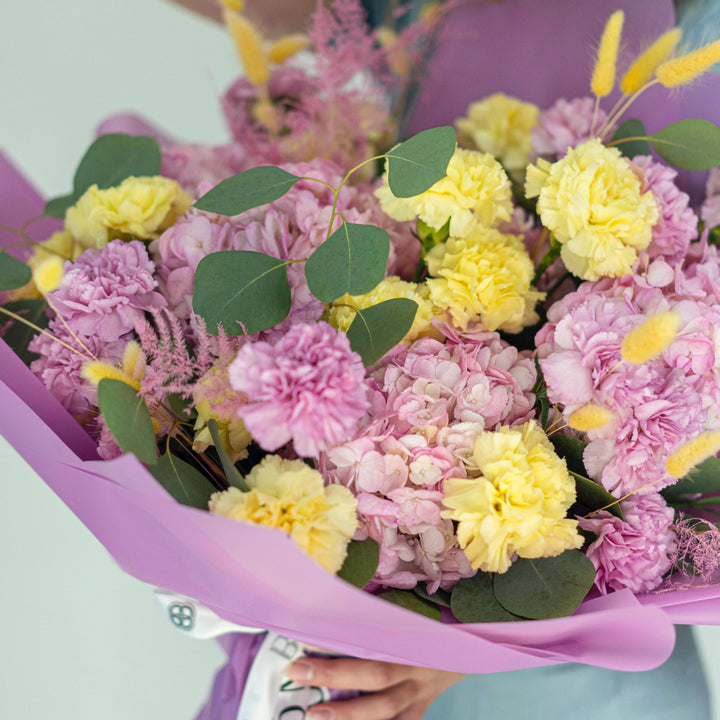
(453, 405)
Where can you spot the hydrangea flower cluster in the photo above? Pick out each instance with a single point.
(428, 403)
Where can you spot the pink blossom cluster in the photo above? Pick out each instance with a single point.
(306, 389)
(566, 124)
(710, 210)
(428, 403)
(678, 224)
(193, 165)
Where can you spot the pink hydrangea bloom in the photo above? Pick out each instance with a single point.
(428, 403)
(677, 226)
(635, 552)
(656, 406)
(178, 252)
(307, 389)
(193, 165)
(105, 291)
(566, 124)
(710, 210)
(59, 367)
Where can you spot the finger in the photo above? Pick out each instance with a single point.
(381, 705)
(349, 673)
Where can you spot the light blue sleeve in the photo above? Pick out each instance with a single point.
(675, 690)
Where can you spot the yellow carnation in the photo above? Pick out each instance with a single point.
(290, 495)
(140, 207)
(59, 244)
(500, 125)
(485, 274)
(592, 201)
(340, 316)
(517, 506)
(475, 190)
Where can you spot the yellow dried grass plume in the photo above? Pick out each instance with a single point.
(234, 5)
(692, 453)
(603, 78)
(589, 417)
(643, 68)
(682, 70)
(650, 338)
(286, 47)
(249, 43)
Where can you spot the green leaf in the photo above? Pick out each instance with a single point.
(473, 601)
(179, 405)
(232, 474)
(19, 335)
(244, 291)
(128, 419)
(540, 392)
(247, 190)
(418, 163)
(361, 562)
(380, 327)
(705, 479)
(631, 129)
(352, 260)
(689, 144)
(590, 494)
(107, 162)
(13, 272)
(410, 601)
(184, 482)
(439, 597)
(545, 587)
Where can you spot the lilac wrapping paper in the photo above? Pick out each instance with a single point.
(256, 576)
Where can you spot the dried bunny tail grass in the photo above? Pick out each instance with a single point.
(603, 78)
(692, 453)
(49, 274)
(644, 66)
(235, 5)
(249, 44)
(286, 47)
(650, 338)
(684, 69)
(589, 417)
(95, 371)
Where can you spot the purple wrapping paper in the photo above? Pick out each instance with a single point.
(255, 576)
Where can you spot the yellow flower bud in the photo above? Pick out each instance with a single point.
(603, 79)
(287, 46)
(48, 274)
(249, 43)
(692, 453)
(95, 371)
(590, 417)
(686, 68)
(650, 338)
(643, 68)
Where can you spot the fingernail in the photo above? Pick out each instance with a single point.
(300, 671)
(319, 714)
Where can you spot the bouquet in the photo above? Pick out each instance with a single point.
(451, 401)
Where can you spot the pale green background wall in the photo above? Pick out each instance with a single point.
(78, 638)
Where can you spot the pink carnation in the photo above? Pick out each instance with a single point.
(178, 252)
(677, 226)
(104, 292)
(193, 165)
(566, 124)
(308, 388)
(710, 210)
(635, 552)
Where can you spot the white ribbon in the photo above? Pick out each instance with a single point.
(267, 694)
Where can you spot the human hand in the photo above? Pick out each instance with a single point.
(394, 692)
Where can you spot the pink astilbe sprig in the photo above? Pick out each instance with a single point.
(697, 550)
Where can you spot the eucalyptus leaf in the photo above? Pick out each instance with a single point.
(378, 328)
(439, 597)
(247, 190)
(19, 335)
(361, 562)
(705, 479)
(244, 291)
(545, 587)
(418, 163)
(13, 272)
(107, 162)
(352, 260)
(128, 419)
(632, 128)
(184, 482)
(473, 601)
(232, 474)
(572, 450)
(689, 144)
(179, 405)
(410, 601)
